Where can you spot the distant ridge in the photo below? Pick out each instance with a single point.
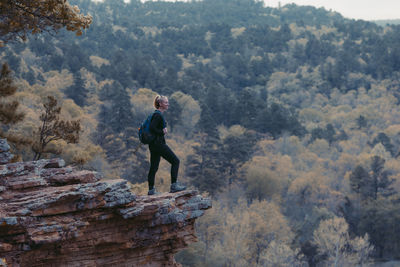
(384, 22)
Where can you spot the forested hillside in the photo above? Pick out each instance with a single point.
(288, 117)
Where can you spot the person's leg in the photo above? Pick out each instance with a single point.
(170, 156)
(154, 163)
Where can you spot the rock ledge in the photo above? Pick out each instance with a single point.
(53, 215)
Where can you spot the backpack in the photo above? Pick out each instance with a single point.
(145, 136)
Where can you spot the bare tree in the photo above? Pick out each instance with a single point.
(333, 241)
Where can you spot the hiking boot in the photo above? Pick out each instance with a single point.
(153, 192)
(176, 187)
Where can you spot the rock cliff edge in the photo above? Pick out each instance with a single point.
(54, 215)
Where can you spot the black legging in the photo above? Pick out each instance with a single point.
(157, 151)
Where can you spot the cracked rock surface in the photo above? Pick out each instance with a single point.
(54, 215)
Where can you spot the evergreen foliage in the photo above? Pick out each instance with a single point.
(288, 117)
(8, 110)
(18, 18)
(77, 91)
(204, 167)
(53, 129)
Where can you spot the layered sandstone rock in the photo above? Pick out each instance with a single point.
(53, 215)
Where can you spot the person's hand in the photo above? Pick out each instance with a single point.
(165, 130)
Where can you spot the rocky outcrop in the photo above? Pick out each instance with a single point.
(5, 155)
(53, 215)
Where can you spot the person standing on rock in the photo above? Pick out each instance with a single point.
(159, 148)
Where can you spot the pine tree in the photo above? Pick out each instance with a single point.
(360, 182)
(8, 111)
(380, 176)
(121, 110)
(207, 122)
(385, 141)
(371, 184)
(248, 108)
(114, 132)
(77, 91)
(236, 150)
(53, 128)
(116, 112)
(204, 166)
(18, 18)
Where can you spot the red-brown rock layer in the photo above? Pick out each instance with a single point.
(52, 215)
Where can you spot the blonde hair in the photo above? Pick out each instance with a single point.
(158, 100)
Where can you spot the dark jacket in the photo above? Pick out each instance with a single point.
(157, 125)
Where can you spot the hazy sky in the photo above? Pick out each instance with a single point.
(355, 9)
